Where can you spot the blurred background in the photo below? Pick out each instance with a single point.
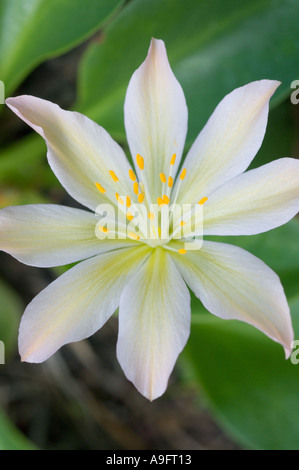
(231, 387)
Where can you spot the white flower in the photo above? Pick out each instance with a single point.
(146, 280)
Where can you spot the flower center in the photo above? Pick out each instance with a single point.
(155, 224)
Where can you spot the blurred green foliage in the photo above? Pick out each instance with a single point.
(11, 438)
(213, 47)
(10, 314)
(251, 388)
(11, 310)
(34, 30)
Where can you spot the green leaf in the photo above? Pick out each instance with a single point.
(213, 47)
(278, 248)
(25, 171)
(251, 388)
(10, 437)
(280, 135)
(21, 160)
(34, 30)
(10, 314)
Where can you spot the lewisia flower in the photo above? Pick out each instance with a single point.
(147, 276)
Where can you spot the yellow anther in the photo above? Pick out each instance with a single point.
(162, 178)
(136, 187)
(165, 199)
(128, 201)
(203, 200)
(132, 175)
(183, 223)
(172, 161)
(151, 215)
(119, 199)
(134, 236)
(113, 176)
(182, 251)
(100, 188)
(183, 174)
(160, 201)
(140, 161)
(130, 216)
(170, 181)
(140, 198)
(103, 229)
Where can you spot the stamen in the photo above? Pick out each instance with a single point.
(128, 201)
(151, 215)
(182, 251)
(132, 175)
(182, 177)
(119, 199)
(136, 187)
(113, 176)
(183, 174)
(203, 200)
(103, 229)
(100, 188)
(160, 201)
(140, 198)
(183, 223)
(165, 199)
(140, 161)
(163, 178)
(170, 177)
(130, 216)
(134, 236)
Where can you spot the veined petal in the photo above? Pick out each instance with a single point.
(77, 304)
(233, 284)
(229, 141)
(80, 152)
(154, 324)
(48, 235)
(155, 117)
(256, 201)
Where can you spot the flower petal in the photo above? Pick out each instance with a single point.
(256, 201)
(155, 117)
(229, 141)
(77, 304)
(154, 324)
(233, 284)
(80, 152)
(49, 235)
